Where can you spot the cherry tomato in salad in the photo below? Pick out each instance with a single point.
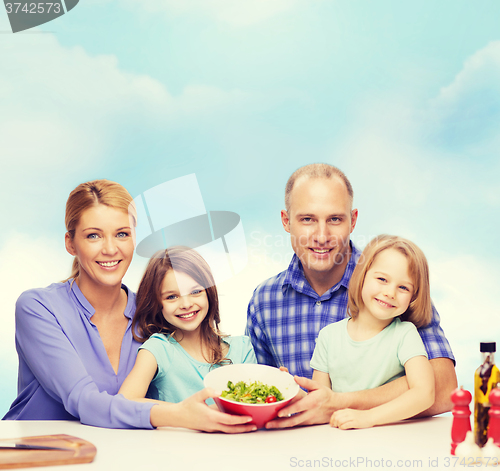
(270, 398)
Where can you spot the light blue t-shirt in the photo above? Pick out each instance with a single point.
(354, 366)
(179, 375)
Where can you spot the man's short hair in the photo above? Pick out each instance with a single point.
(316, 171)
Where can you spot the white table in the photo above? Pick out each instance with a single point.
(419, 444)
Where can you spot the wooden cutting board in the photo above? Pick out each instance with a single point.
(81, 451)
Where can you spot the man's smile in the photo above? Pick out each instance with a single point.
(320, 251)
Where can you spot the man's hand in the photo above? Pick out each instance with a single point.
(351, 418)
(313, 408)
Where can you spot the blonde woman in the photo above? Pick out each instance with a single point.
(74, 339)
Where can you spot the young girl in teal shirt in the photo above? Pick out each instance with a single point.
(177, 318)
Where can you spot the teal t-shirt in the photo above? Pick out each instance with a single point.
(179, 375)
(354, 366)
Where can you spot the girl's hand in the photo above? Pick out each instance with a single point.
(195, 414)
(351, 418)
(284, 368)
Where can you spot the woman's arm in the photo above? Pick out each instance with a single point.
(50, 357)
(420, 396)
(194, 413)
(56, 365)
(137, 382)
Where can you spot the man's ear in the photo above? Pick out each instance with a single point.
(354, 218)
(68, 242)
(285, 220)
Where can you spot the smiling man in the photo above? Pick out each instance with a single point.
(287, 311)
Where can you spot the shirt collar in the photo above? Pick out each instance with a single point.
(88, 308)
(296, 278)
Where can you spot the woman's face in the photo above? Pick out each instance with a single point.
(103, 245)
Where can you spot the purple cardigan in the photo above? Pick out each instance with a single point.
(64, 370)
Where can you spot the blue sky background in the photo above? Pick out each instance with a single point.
(403, 97)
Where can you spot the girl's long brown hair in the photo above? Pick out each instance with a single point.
(149, 319)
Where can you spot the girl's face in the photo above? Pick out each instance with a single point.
(388, 288)
(184, 301)
(103, 245)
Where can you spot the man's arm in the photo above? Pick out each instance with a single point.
(446, 382)
(321, 402)
(442, 361)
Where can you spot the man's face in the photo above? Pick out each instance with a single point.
(320, 222)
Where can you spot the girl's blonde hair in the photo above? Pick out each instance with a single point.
(419, 311)
(93, 193)
(149, 319)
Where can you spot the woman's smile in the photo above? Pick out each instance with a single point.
(111, 264)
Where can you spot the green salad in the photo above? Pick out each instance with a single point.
(253, 393)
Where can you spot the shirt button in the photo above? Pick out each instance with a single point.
(318, 303)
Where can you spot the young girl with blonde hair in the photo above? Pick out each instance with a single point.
(389, 297)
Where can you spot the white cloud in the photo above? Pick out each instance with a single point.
(69, 107)
(481, 71)
(412, 164)
(26, 262)
(466, 295)
(425, 173)
(73, 107)
(235, 13)
(466, 112)
(64, 109)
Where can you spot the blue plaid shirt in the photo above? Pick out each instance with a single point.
(285, 316)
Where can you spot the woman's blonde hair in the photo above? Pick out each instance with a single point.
(419, 311)
(89, 194)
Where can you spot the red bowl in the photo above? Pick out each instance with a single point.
(261, 413)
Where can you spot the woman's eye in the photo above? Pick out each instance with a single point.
(122, 235)
(92, 236)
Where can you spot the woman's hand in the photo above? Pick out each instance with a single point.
(194, 413)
